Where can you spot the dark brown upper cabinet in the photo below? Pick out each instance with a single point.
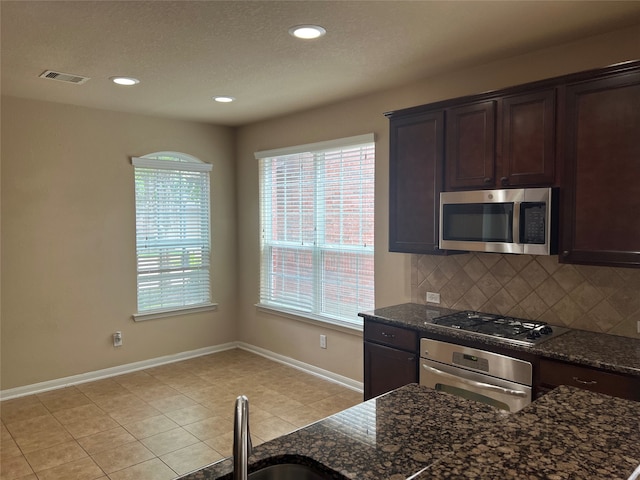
(471, 152)
(527, 155)
(601, 201)
(500, 143)
(579, 132)
(415, 181)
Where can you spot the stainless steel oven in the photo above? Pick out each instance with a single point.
(487, 377)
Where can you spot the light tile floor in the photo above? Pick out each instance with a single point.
(159, 423)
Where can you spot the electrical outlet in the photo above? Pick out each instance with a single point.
(323, 341)
(117, 339)
(433, 297)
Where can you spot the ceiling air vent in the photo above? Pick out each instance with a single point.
(64, 77)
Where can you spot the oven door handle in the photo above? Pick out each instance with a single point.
(486, 386)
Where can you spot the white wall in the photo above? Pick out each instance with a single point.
(68, 240)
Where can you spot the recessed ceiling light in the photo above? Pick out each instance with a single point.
(307, 32)
(127, 81)
(224, 98)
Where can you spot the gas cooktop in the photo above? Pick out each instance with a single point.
(510, 329)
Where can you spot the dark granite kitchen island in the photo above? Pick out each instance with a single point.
(566, 434)
(416, 432)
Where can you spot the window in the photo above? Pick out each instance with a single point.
(317, 205)
(172, 233)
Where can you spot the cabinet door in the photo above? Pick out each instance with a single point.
(528, 140)
(386, 369)
(602, 195)
(391, 336)
(553, 374)
(415, 182)
(471, 146)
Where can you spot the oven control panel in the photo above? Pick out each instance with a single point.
(470, 361)
(488, 363)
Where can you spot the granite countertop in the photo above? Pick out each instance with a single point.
(418, 433)
(600, 350)
(390, 437)
(567, 434)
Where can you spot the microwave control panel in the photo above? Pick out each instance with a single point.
(533, 220)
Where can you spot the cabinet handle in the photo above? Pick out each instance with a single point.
(584, 382)
(487, 180)
(565, 253)
(411, 359)
(504, 181)
(388, 335)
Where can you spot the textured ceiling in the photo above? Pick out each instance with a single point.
(184, 52)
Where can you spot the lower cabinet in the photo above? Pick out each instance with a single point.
(390, 358)
(386, 369)
(554, 373)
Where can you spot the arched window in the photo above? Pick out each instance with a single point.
(172, 233)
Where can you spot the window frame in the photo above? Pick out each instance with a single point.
(174, 162)
(266, 261)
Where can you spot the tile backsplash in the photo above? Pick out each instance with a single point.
(599, 299)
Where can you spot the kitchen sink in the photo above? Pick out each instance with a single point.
(288, 471)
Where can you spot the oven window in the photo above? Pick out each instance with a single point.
(461, 392)
(478, 222)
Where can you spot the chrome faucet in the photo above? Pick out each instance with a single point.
(241, 439)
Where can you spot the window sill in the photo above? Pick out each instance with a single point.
(317, 320)
(141, 317)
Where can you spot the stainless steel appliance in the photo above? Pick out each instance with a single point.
(520, 220)
(487, 377)
(507, 329)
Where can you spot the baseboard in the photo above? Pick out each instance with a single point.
(305, 367)
(110, 372)
(154, 362)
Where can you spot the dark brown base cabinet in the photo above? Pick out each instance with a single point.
(390, 358)
(386, 369)
(554, 373)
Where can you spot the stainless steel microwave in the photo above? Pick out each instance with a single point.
(520, 220)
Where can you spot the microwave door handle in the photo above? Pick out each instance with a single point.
(473, 383)
(516, 222)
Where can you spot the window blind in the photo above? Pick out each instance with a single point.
(172, 233)
(317, 223)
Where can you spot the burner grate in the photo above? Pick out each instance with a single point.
(516, 330)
